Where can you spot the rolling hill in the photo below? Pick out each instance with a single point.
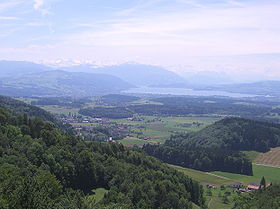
(218, 146)
(237, 134)
(61, 83)
(16, 68)
(265, 88)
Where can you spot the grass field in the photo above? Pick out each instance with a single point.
(59, 109)
(252, 155)
(271, 175)
(202, 177)
(99, 194)
(131, 141)
(96, 197)
(271, 158)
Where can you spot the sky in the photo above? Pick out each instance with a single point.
(178, 34)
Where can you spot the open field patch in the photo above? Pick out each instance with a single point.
(203, 177)
(271, 175)
(271, 158)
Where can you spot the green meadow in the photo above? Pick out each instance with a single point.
(271, 175)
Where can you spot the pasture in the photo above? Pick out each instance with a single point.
(203, 177)
(271, 175)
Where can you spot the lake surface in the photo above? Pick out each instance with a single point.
(185, 92)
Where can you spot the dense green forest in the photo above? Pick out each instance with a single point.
(217, 146)
(61, 101)
(42, 167)
(203, 159)
(268, 198)
(237, 134)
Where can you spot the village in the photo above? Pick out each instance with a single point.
(86, 127)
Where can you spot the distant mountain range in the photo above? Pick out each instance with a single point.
(16, 68)
(30, 79)
(136, 74)
(142, 75)
(18, 78)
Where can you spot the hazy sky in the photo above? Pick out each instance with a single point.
(164, 32)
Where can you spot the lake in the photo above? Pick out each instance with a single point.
(184, 91)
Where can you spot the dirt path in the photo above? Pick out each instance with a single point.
(209, 203)
(222, 177)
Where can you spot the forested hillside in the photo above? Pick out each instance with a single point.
(203, 159)
(217, 146)
(21, 108)
(42, 167)
(238, 134)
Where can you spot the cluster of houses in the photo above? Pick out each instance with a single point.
(84, 125)
(70, 119)
(240, 188)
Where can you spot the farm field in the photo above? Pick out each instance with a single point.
(271, 175)
(159, 129)
(271, 158)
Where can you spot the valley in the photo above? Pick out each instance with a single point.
(140, 104)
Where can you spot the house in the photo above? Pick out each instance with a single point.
(253, 187)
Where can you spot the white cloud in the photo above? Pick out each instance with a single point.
(9, 4)
(40, 6)
(146, 34)
(8, 18)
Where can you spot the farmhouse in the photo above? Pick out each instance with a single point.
(253, 187)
